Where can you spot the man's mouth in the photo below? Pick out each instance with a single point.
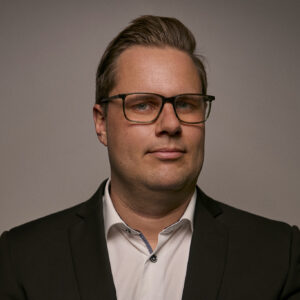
(167, 153)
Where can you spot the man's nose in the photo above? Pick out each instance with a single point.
(168, 123)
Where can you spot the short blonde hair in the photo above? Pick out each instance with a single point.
(146, 31)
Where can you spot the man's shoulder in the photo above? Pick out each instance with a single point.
(57, 223)
(52, 222)
(249, 227)
(239, 220)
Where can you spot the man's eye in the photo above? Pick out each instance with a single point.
(141, 106)
(184, 105)
(144, 106)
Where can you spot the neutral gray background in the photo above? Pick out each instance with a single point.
(50, 156)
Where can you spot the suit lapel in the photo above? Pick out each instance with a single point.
(89, 252)
(207, 253)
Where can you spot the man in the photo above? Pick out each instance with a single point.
(149, 232)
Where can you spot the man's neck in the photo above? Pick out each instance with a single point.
(149, 212)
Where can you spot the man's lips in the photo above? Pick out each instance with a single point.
(167, 153)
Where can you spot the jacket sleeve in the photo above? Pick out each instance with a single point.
(291, 289)
(10, 289)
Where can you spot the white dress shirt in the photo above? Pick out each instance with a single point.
(142, 273)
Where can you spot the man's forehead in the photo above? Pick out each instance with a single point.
(138, 53)
(141, 67)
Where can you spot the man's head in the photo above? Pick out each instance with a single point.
(148, 31)
(152, 55)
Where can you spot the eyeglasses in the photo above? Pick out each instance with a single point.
(145, 108)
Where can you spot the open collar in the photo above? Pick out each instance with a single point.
(206, 262)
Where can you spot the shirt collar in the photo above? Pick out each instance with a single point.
(111, 217)
(187, 217)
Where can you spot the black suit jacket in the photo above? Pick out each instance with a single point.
(234, 255)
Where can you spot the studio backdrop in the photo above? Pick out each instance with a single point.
(50, 158)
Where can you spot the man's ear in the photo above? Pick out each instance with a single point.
(99, 115)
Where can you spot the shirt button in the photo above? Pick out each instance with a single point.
(153, 258)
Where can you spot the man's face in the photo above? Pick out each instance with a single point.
(164, 155)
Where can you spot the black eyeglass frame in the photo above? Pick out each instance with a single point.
(207, 98)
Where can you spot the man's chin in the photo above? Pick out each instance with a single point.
(170, 178)
(161, 184)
